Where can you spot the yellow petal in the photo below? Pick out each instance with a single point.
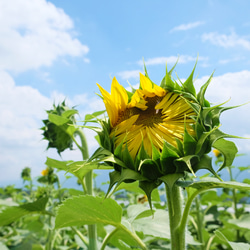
(119, 95)
(145, 83)
(110, 105)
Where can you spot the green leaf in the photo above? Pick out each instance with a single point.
(91, 117)
(233, 245)
(81, 168)
(3, 247)
(61, 165)
(242, 222)
(87, 210)
(158, 226)
(11, 214)
(138, 211)
(209, 183)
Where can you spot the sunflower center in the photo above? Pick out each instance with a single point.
(147, 117)
(150, 116)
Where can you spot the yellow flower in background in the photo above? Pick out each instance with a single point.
(153, 115)
(45, 172)
(216, 152)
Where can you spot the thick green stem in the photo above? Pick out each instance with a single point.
(92, 233)
(174, 199)
(199, 223)
(236, 211)
(234, 195)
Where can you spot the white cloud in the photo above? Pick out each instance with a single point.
(229, 60)
(22, 109)
(34, 33)
(129, 74)
(226, 41)
(170, 60)
(187, 26)
(235, 88)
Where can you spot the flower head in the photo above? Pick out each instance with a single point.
(157, 131)
(152, 116)
(45, 172)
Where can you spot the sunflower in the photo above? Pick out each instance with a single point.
(153, 115)
(45, 172)
(157, 133)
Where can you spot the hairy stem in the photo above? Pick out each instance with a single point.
(174, 199)
(92, 233)
(199, 223)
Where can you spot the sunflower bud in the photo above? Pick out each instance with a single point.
(160, 130)
(55, 128)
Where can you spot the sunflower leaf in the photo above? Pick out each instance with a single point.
(233, 245)
(87, 210)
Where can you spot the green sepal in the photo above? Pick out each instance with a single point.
(148, 187)
(201, 95)
(168, 156)
(124, 155)
(185, 163)
(189, 143)
(168, 83)
(228, 150)
(205, 162)
(202, 146)
(126, 175)
(216, 112)
(150, 169)
(114, 177)
(180, 146)
(142, 154)
(188, 84)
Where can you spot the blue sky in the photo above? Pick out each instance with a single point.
(52, 50)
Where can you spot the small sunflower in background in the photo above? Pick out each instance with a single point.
(45, 172)
(160, 130)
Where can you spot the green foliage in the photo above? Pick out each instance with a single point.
(12, 214)
(85, 210)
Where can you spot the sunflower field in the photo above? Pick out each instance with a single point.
(166, 160)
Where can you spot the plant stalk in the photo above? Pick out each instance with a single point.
(92, 233)
(177, 232)
(199, 223)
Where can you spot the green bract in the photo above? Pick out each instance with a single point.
(172, 162)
